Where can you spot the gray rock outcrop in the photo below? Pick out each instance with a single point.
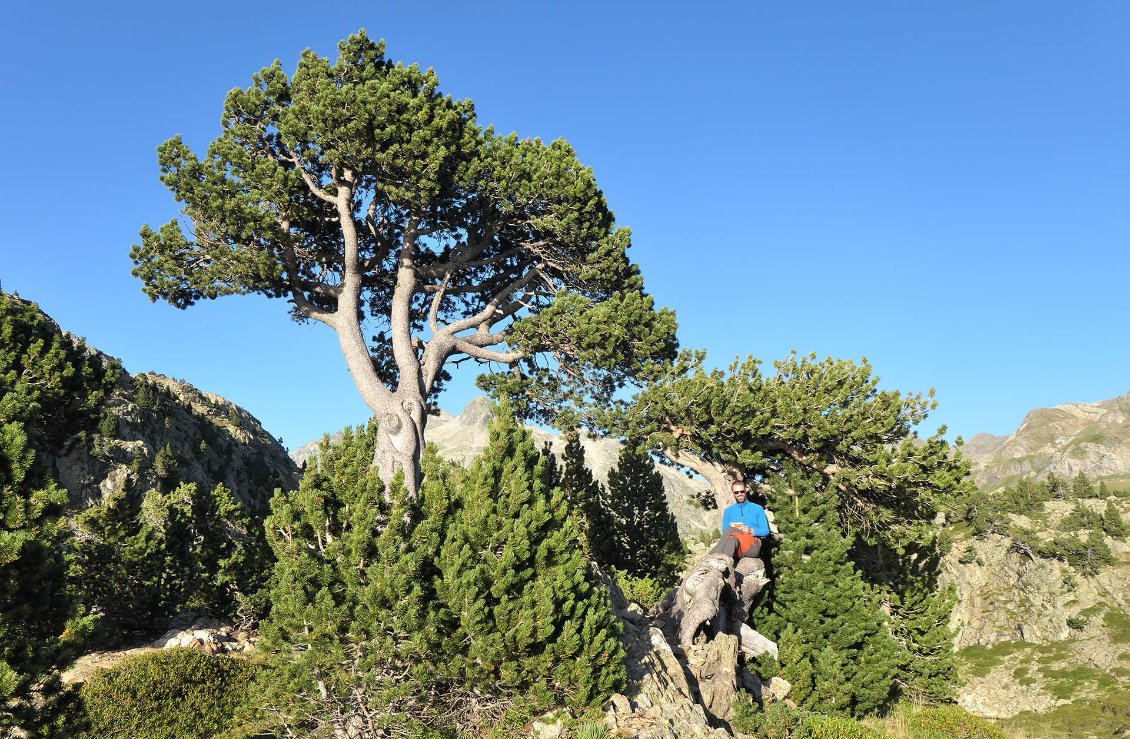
(1026, 623)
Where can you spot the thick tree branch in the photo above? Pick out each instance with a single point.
(294, 282)
(313, 186)
(489, 309)
(400, 318)
(489, 355)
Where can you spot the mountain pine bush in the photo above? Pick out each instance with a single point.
(50, 387)
(586, 498)
(835, 644)
(518, 598)
(139, 559)
(352, 631)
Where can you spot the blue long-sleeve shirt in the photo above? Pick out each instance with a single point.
(751, 514)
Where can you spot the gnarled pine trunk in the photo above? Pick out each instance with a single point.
(400, 441)
(715, 598)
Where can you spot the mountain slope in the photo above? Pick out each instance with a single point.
(108, 431)
(1093, 438)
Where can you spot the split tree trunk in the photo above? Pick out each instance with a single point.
(715, 598)
(400, 441)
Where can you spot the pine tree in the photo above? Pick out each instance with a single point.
(920, 624)
(552, 469)
(352, 634)
(644, 536)
(835, 645)
(1113, 525)
(1056, 487)
(142, 558)
(585, 495)
(1081, 486)
(40, 627)
(515, 587)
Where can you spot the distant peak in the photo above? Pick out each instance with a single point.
(478, 411)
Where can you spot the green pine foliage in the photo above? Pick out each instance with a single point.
(517, 594)
(50, 383)
(1081, 518)
(50, 389)
(40, 627)
(1112, 523)
(828, 416)
(552, 468)
(1088, 555)
(586, 497)
(1080, 539)
(139, 559)
(644, 537)
(1082, 487)
(907, 581)
(352, 632)
(835, 644)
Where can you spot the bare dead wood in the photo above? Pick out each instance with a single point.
(715, 597)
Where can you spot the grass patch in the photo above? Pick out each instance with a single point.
(1117, 626)
(980, 660)
(1108, 716)
(1092, 611)
(1067, 683)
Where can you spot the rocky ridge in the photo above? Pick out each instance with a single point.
(207, 439)
(1033, 633)
(1076, 437)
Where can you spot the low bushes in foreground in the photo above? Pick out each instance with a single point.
(169, 694)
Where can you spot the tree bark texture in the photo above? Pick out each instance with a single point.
(715, 598)
(719, 476)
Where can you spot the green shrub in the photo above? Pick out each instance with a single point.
(170, 694)
(647, 591)
(819, 726)
(952, 722)
(520, 611)
(968, 556)
(777, 721)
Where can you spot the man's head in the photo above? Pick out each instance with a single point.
(738, 488)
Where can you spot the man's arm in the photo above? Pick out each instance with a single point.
(760, 522)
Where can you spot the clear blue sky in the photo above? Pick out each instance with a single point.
(943, 188)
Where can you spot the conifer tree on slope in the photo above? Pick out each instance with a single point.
(585, 496)
(374, 204)
(38, 622)
(514, 584)
(645, 539)
(351, 634)
(835, 646)
(139, 559)
(50, 389)
(906, 583)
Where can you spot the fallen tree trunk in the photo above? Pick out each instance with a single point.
(715, 598)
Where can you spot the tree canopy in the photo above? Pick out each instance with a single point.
(825, 416)
(377, 205)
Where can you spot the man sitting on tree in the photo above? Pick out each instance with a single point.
(744, 525)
